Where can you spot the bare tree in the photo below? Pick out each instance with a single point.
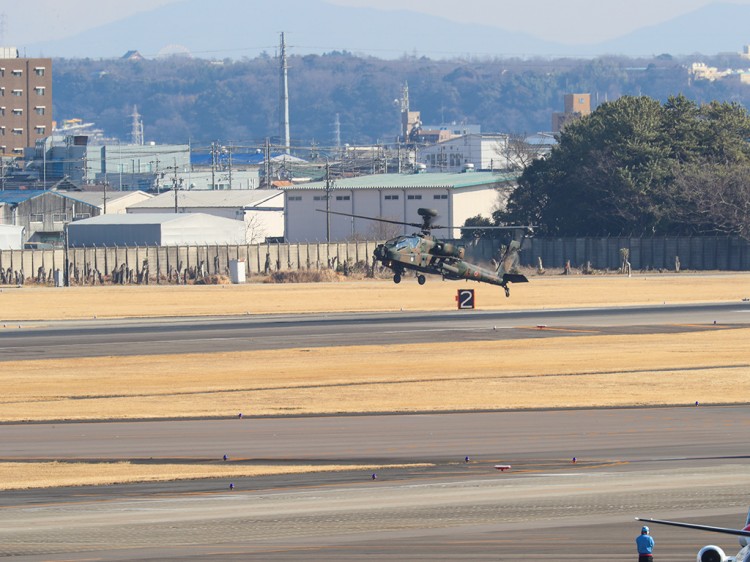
(718, 197)
(255, 231)
(518, 152)
(504, 191)
(385, 230)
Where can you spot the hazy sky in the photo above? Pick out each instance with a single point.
(33, 21)
(564, 21)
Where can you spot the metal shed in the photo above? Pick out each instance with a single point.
(158, 229)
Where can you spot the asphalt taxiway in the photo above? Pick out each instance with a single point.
(671, 463)
(95, 338)
(657, 462)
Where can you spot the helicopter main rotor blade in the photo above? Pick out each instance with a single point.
(414, 224)
(426, 227)
(493, 227)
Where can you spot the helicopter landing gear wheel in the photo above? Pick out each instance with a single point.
(421, 279)
(507, 292)
(397, 278)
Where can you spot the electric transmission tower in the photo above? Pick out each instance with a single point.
(137, 129)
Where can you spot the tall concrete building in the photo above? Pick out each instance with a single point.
(25, 101)
(576, 106)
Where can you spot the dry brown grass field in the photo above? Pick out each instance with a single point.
(50, 474)
(586, 370)
(679, 368)
(30, 303)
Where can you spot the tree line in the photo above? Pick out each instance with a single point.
(202, 101)
(636, 166)
(661, 154)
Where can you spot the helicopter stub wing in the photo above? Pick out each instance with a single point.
(514, 278)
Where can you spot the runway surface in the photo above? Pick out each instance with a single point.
(660, 462)
(96, 338)
(674, 463)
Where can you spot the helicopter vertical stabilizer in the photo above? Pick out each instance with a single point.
(509, 260)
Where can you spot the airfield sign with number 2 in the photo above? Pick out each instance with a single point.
(465, 299)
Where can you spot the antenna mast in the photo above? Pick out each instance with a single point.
(137, 129)
(284, 98)
(337, 132)
(404, 102)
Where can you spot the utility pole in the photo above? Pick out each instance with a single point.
(104, 196)
(119, 162)
(174, 185)
(328, 202)
(284, 98)
(44, 162)
(66, 273)
(267, 162)
(230, 165)
(158, 188)
(213, 165)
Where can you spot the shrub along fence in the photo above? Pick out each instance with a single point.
(183, 264)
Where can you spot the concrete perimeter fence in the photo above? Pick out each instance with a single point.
(184, 264)
(725, 253)
(173, 264)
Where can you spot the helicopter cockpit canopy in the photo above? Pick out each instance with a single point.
(406, 243)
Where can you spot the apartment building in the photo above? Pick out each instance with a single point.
(25, 101)
(576, 106)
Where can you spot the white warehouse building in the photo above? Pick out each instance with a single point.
(262, 210)
(396, 197)
(484, 152)
(188, 229)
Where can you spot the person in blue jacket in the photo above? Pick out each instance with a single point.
(645, 544)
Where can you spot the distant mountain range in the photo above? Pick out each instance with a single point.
(237, 28)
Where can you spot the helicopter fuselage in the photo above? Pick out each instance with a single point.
(425, 254)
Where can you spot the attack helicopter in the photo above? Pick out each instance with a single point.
(424, 253)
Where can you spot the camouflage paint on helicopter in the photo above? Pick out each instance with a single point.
(423, 253)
